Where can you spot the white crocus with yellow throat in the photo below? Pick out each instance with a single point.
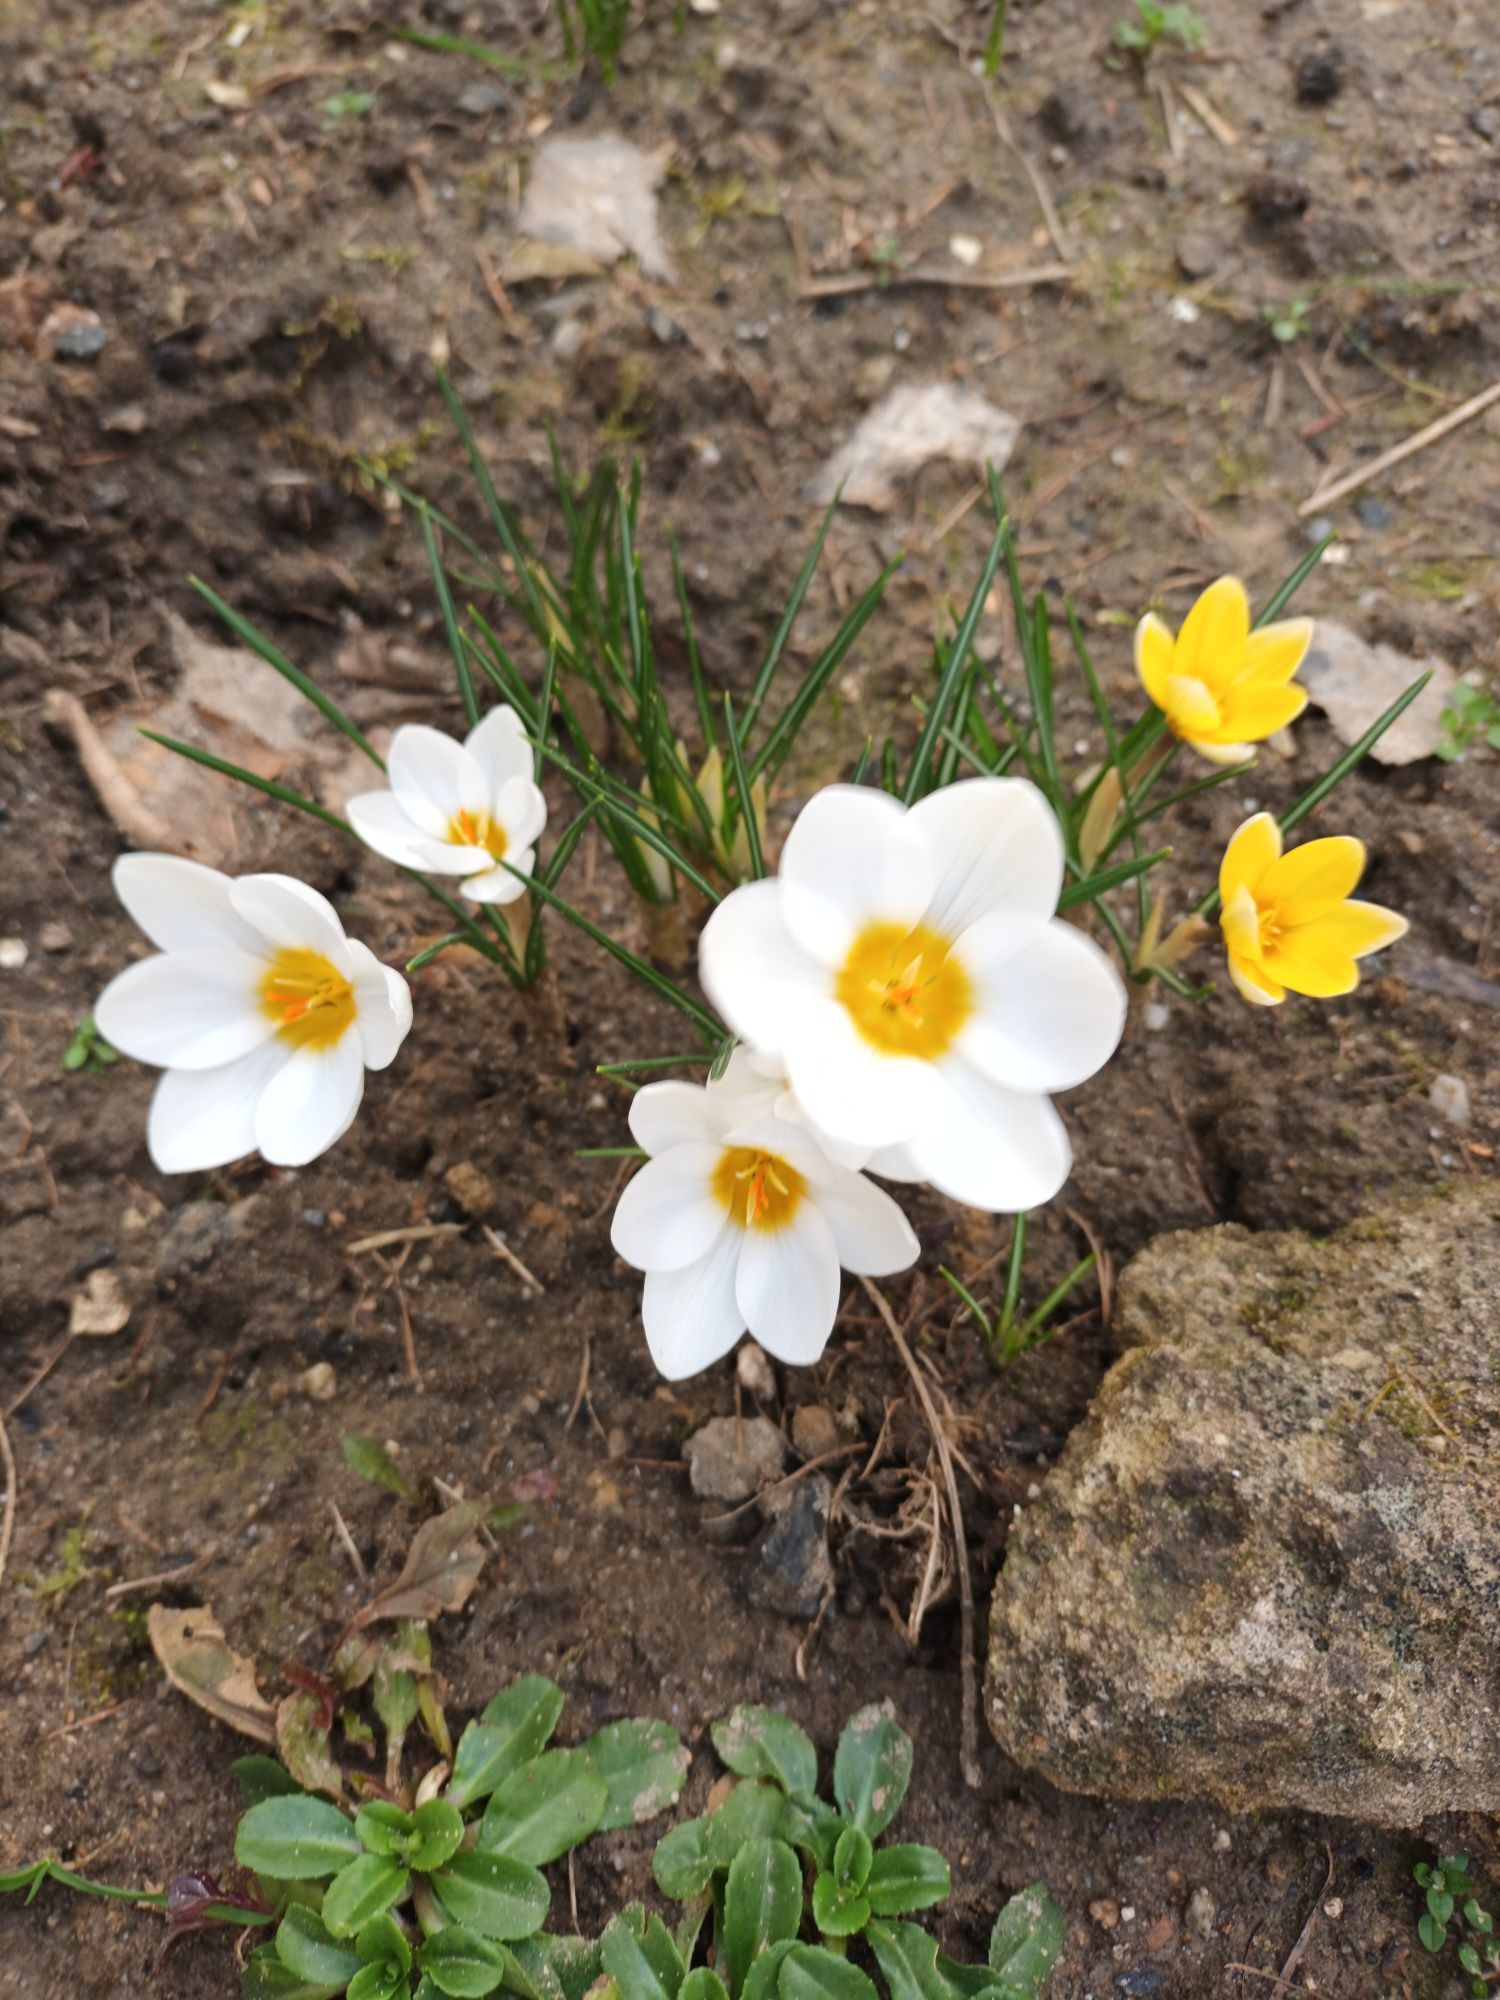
(906, 968)
(264, 1015)
(471, 809)
(741, 1221)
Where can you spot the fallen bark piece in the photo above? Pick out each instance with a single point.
(907, 428)
(1355, 683)
(594, 198)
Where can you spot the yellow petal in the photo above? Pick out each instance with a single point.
(1153, 657)
(1251, 851)
(1212, 640)
(1313, 960)
(1190, 708)
(1224, 753)
(1274, 654)
(1254, 713)
(1310, 881)
(1254, 985)
(1360, 928)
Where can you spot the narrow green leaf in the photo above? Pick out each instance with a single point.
(743, 793)
(762, 1904)
(362, 1890)
(274, 657)
(1095, 885)
(296, 1838)
(783, 632)
(642, 1959)
(1281, 598)
(762, 1743)
(917, 773)
(371, 1460)
(783, 732)
(272, 790)
(449, 617)
(515, 1727)
(872, 1768)
(908, 1961)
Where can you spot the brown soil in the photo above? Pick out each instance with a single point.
(271, 280)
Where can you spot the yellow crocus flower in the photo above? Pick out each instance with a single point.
(1288, 921)
(1222, 687)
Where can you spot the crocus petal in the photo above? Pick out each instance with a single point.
(1154, 653)
(998, 847)
(290, 915)
(788, 1285)
(499, 747)
(1255, 984)
(1254, 713)
(1251, 850)
(1312, 879)
(180, 905)
(204, 1118)
(1360, 928)
(663, 1115)
(499, 884)
(1049, 1014)
(310, 1102)
(1191, 708)
(521, 809)
(382, 1007)
(789, 1139)
(668, 1216)
(1307, 962)
(187, 1009)
(691, 1316)
(1212, 640)
(384, 824)
(435, 778)
(1223, 754)
(850, 1089)
(752, 968)
(852, 858)
(993, 1148)
(871, 1234)
(1274, 653)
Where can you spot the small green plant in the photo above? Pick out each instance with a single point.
(1154, 22)
(88, 1050)
(1009, 1334)
(1448, 1893)
(994, 41)
(348, 104)
(1290, 321)
(599, 25)
(1471, 717)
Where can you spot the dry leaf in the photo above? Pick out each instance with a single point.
(100, 1308)
(596, 197)
(198, 1661)
(303, 1746)
(1354, 684)
(906, 429)
(440, 1572)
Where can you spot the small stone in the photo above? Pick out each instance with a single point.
(55, 937)
(1155, 1016)
(1127, 1914)
(567, 340)
(1140, 1983)
(72, 333)
(1222, 1841)
(1105, 1911)
(318, 1383)
(616, 1443)
(199, 1231)
(754, 1373)
(1319, 74)
(33, 1643)
(663, 327)
(731, 1458)
(1333, 1909)
(128, 419)
(101, 1308)
(1449, 1098)
(480, 100)
(1373, 513)
(814, 1431)
(1198, 253)
(1160, 1934)
(1202, 1911)
(788, 1569)
(13, 954)
(1485, 120)
(472, 1190)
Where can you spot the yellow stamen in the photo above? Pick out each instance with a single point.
(759, 1190)
(477, 829)
(904, 990)
(309, 999)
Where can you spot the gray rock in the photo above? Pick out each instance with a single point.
(788, 1569)
(1266, 1570)
(199, 1231)
(1449, 1098)
(731, 1458)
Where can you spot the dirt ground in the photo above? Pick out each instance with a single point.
(274, 262)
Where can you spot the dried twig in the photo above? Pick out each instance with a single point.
(346, 1542)
(418, 1232)
(499, 297)
(508, 1256)
(1294, 1956)
(90, 1721)
(1034, 174)
(1208, 114)
(1418, 441)
(162, 1578)
(969, 1713)
(8, 1525)
(41, 1374)
(924, 274)
(114, 791)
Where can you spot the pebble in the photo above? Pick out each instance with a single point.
(732, 1458)
(472, 1190)
(55, 937)
(1222, 1842)
(1106, 1911)
(1155, 1016)
(480, 99)
(1373, 513)
(788, 1569)
(753, 1371)
(1449, 1098)
(1202, 1911)
(1333, 1909)
(318, 1383)
(13, 954)
(1140, 1983)
(814, 1431)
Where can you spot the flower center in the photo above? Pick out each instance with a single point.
(759, 1189)
(904, 990)
(310, 1000)
(477, 829)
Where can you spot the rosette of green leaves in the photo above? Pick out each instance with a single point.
(1449, 1899)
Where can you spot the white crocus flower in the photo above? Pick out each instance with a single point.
(459, 808)
(263, 1014)
(740, 1220)
(906, 969)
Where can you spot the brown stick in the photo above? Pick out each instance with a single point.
(114, 791)
(1418, 441)
(922, 274)
(418, 1232)
(508, 1256)
(968, 1755)
(8, 1525)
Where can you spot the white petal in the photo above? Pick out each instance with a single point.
(997, 845)
(187, 1009)
(521, 809)
(691, 1316)
(499, 747)
(1050, 1004)
(893, 1163)
(435, 778)
(851, 1090)
(851, 859)
(290, 915)
(203, 1118)
(871, 1234)
(992, 1148)
(310, 1103)
(749, 1085)
(673, 1114)
(668, 1217)
(382, 1006)
(788, 1286)
(752, 969)
(789, 1139)
(384, 824)
(499, 885)
(180, 904)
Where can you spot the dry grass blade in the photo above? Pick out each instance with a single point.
(8, 1525)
